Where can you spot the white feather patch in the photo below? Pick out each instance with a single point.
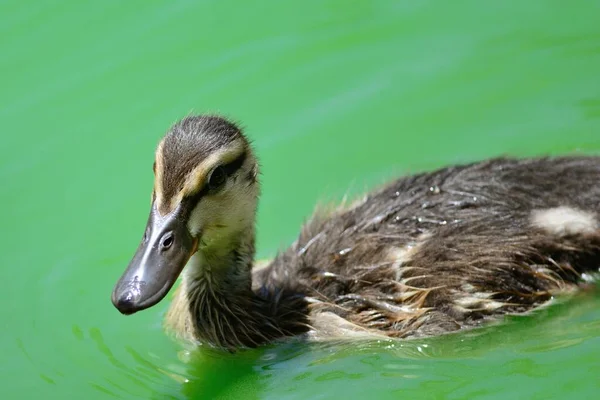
(400, 256)
(563, 221)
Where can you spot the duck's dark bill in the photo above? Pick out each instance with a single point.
(160, 258)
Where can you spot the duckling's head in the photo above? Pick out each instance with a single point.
(204, 201)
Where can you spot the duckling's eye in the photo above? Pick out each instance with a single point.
(217, 178)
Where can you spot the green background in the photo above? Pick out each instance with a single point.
(338, 96)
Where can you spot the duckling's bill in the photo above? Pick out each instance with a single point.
(165, 249)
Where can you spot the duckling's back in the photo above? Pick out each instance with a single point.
(436, 252)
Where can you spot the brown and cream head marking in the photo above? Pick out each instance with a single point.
(203, 205)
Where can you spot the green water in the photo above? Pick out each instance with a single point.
(337, 96)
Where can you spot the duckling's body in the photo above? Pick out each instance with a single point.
(446, 250)
(428, 254)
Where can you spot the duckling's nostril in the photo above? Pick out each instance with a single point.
(167, 241)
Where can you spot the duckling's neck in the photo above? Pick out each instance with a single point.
(223, 266)
(216, 304)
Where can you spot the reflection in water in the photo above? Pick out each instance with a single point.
(103, 390)
(214, 374)
(394, 367)
(471, 363)
(77, 332)
(47, 379)
(145, 378)
(96, 336)
(36, 365)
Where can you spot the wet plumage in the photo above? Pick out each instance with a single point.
(425, 255)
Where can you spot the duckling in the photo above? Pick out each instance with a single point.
(425, 255)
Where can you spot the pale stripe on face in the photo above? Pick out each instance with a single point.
(195, 179)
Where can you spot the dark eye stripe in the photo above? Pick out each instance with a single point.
(234, 165)
(230, 168)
